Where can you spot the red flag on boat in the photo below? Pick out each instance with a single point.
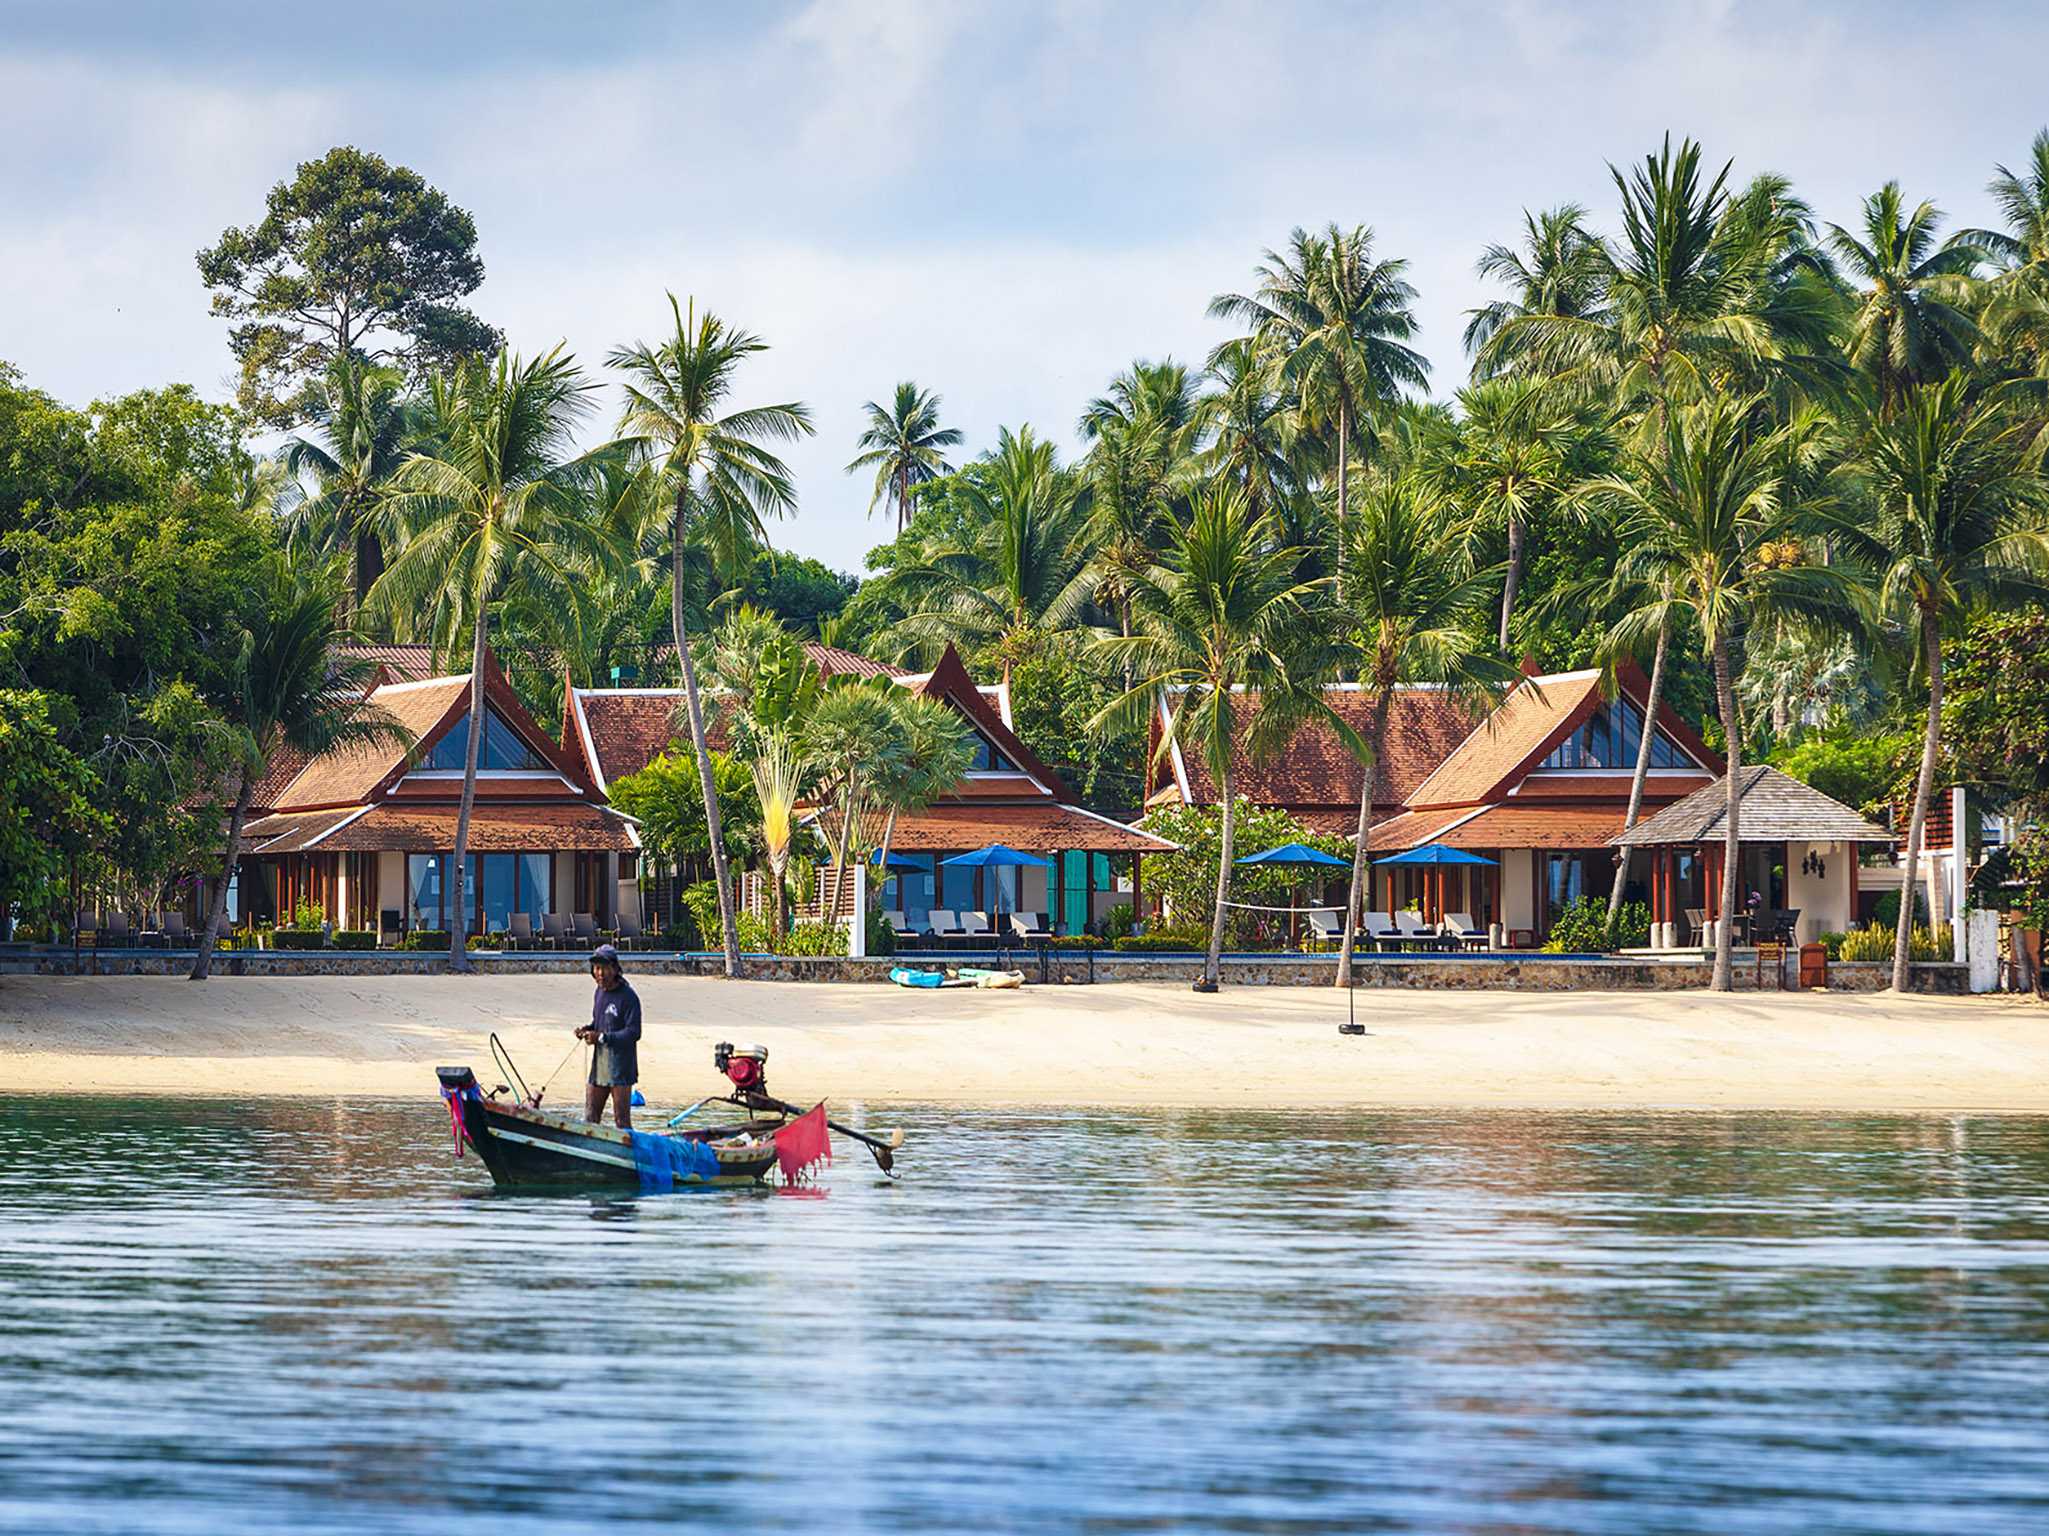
(801, 1143)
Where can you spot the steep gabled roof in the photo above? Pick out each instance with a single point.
(951, 680)
(1538, 714)
(1772, 808)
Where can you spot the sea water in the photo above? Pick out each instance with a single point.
(283, 1315)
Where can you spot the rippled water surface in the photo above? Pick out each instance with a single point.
(287, 1315)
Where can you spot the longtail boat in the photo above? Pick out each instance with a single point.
(527, 1147)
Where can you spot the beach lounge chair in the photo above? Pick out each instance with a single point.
(175, 934)
(116, 932)
(553, 936)
(586, 930)
(1380, 929)
(1459, 927)
(519, 930)
(942, 924)
(898, 924)
(390, 926)
(976, 925)
(1030, 925)
(631, 934)
(1327, 924)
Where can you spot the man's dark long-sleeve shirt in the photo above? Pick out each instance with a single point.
(615, 1015)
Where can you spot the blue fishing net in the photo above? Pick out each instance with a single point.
(665, 1162)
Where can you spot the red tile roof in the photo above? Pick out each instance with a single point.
(1316, 777)
(1534, 826)
(348, 777)
(426, 829)
(1514, 738)
(618, 732)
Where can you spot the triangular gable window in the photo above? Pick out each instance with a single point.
(1610, 739)
(502, 749)
(988, 759)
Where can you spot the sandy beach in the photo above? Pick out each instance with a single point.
(1132, 1045)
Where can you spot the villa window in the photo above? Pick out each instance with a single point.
(987, 758)
(1611, 738)
(502, 749)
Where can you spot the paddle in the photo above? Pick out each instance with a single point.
(877, 1148)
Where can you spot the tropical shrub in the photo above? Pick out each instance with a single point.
(425, 939)
(1120, 922)
(355, 938)
(1832, 944)
(881, 937)
(1583, 927)
(1186, 879)
(1876, 943)
(298, 938)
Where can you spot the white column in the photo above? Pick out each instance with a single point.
(1959, 861)
(857, 923)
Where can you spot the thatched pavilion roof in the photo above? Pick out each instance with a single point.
(1775, 809)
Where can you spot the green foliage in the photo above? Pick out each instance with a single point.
(1120, 922)
(801, 592)
(46, 812)
(1057, 692)
(304, 937)
(1995, 723)
(1583, 927)
(308, 915)
(1186, 879)
(426, 939)
(1877, 941)
(667, 799)
(1863, 769)
(1886, 910)
(1167, 942)
(352, 257)
(1832, 944)
(354, 938)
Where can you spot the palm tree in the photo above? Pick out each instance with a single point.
(290, 691)
(939, 751)
(1952, 520)
(1680, 291)
(2018, 315)
(365, 427)
(854, 740)
(780, 781)
(1020, 563)
(1335, 322)
(1225, 611)
(712, 470)
(494, 511)
(903, 445)
(1910, 325)
(1248, 427)
(1409, 593)
(1558, 273)
(1693, 514)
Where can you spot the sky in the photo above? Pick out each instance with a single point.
(1007, 201)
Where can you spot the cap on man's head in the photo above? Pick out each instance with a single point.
(604, 954)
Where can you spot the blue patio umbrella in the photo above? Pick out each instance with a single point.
(1434, 853)
(995, 856)
(1294, 853)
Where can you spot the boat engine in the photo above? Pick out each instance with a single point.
(746, 1065)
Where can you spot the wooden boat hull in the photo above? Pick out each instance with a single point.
(530, 1148)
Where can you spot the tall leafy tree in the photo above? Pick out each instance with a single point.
(711, 466)
(939, 751)
(1912, 323)
(1335, 323)
(494, 510)
(1410, 596)
(1247, 428)
(1141, 437)
(291, 689)
(353, 257)
(1225, 611)
(854, 741)
(1952, 519)
(906, 447)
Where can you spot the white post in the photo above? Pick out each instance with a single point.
(1960, 857)
(857, 921)
(1983, 969)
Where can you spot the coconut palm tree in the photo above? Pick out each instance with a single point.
(854, 740)
(1141, 436)
(1911, 323)
(1558, 272)
(494, 511)
(939, 751)
(364, 425)
(1951, 518)
(904, 446)
(291, 690)
(710, 467)
(2017, 318)
(1695, 515)
(1247, 427)
(1335, 322)
(1408, 593)
(1225, 610)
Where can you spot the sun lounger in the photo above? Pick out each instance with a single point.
(942, 924)
(1414, 930)
(1459, 927)
(1327, 924)
(553, 935)
(390, 926)
(976, 925)
(631, 934)
(586, 934)
(519, 929)
(1030, 925)
(1379, 928)
(175, 934)
(898, 925)
(116, 932)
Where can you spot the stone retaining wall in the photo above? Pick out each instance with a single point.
(1519, 972)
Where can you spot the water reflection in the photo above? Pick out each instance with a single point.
(250, 1316)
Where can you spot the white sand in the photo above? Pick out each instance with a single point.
(1126, 1044)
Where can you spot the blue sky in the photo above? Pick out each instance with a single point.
(1005, 201)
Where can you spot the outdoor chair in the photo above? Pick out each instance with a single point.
(116, 932)
(1380, 928)
(519, 928)
(1413, 930)
(942, 924)
(175, 935)
(631, 934)
(1696, 922)
(390, 927)
(1327, 924)
(553, 936)
(586, 930)
(976, 925)
(1789, 925)
(1030, 925)
(1458, 926)
(898, 925)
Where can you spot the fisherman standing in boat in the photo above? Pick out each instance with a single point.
(614, 1031)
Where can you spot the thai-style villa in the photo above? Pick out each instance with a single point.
(1010, 797)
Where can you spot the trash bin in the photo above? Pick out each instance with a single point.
(1813, 965)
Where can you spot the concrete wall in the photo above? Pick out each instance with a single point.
(391, 881)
